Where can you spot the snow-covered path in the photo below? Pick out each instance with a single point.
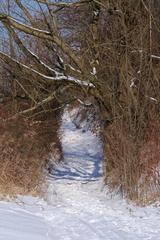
(77, 206)
(82, 152)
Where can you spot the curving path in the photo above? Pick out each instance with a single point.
(82, 153)
(77, 206)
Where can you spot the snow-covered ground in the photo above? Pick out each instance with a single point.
(82, 152)
(77, 206)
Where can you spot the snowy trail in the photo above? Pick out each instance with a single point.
(82, 153)
(77, 205)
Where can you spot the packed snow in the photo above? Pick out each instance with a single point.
(76, 204)
(82, 152)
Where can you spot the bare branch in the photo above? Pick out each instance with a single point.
(25, 11)
(40, 65)
(44, 101)
(43, 35)
(66, 5)
(60, 78)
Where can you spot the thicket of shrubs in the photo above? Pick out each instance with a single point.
(117, 44)
(25, 146)
(132, 67)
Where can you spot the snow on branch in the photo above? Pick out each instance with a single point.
(40, 64)
(65, 4)
(58, 79)
(25, 28)
(155, 57)
(42, 34)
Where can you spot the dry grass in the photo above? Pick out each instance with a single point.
(149, 157)
(122, 167)
(128, 78)
(133, 166)
(24, 149)
(120, 43)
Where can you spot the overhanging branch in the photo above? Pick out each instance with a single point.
(42, 35)
(65, 4)
(59, 79)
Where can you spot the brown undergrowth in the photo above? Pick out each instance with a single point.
(133, 165)
(149, 157)
(25, 145)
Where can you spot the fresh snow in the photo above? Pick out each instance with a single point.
(58, 76)
(82, 152)
(77, 205)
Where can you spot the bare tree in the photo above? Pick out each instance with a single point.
(71, 70)
(108, 50)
